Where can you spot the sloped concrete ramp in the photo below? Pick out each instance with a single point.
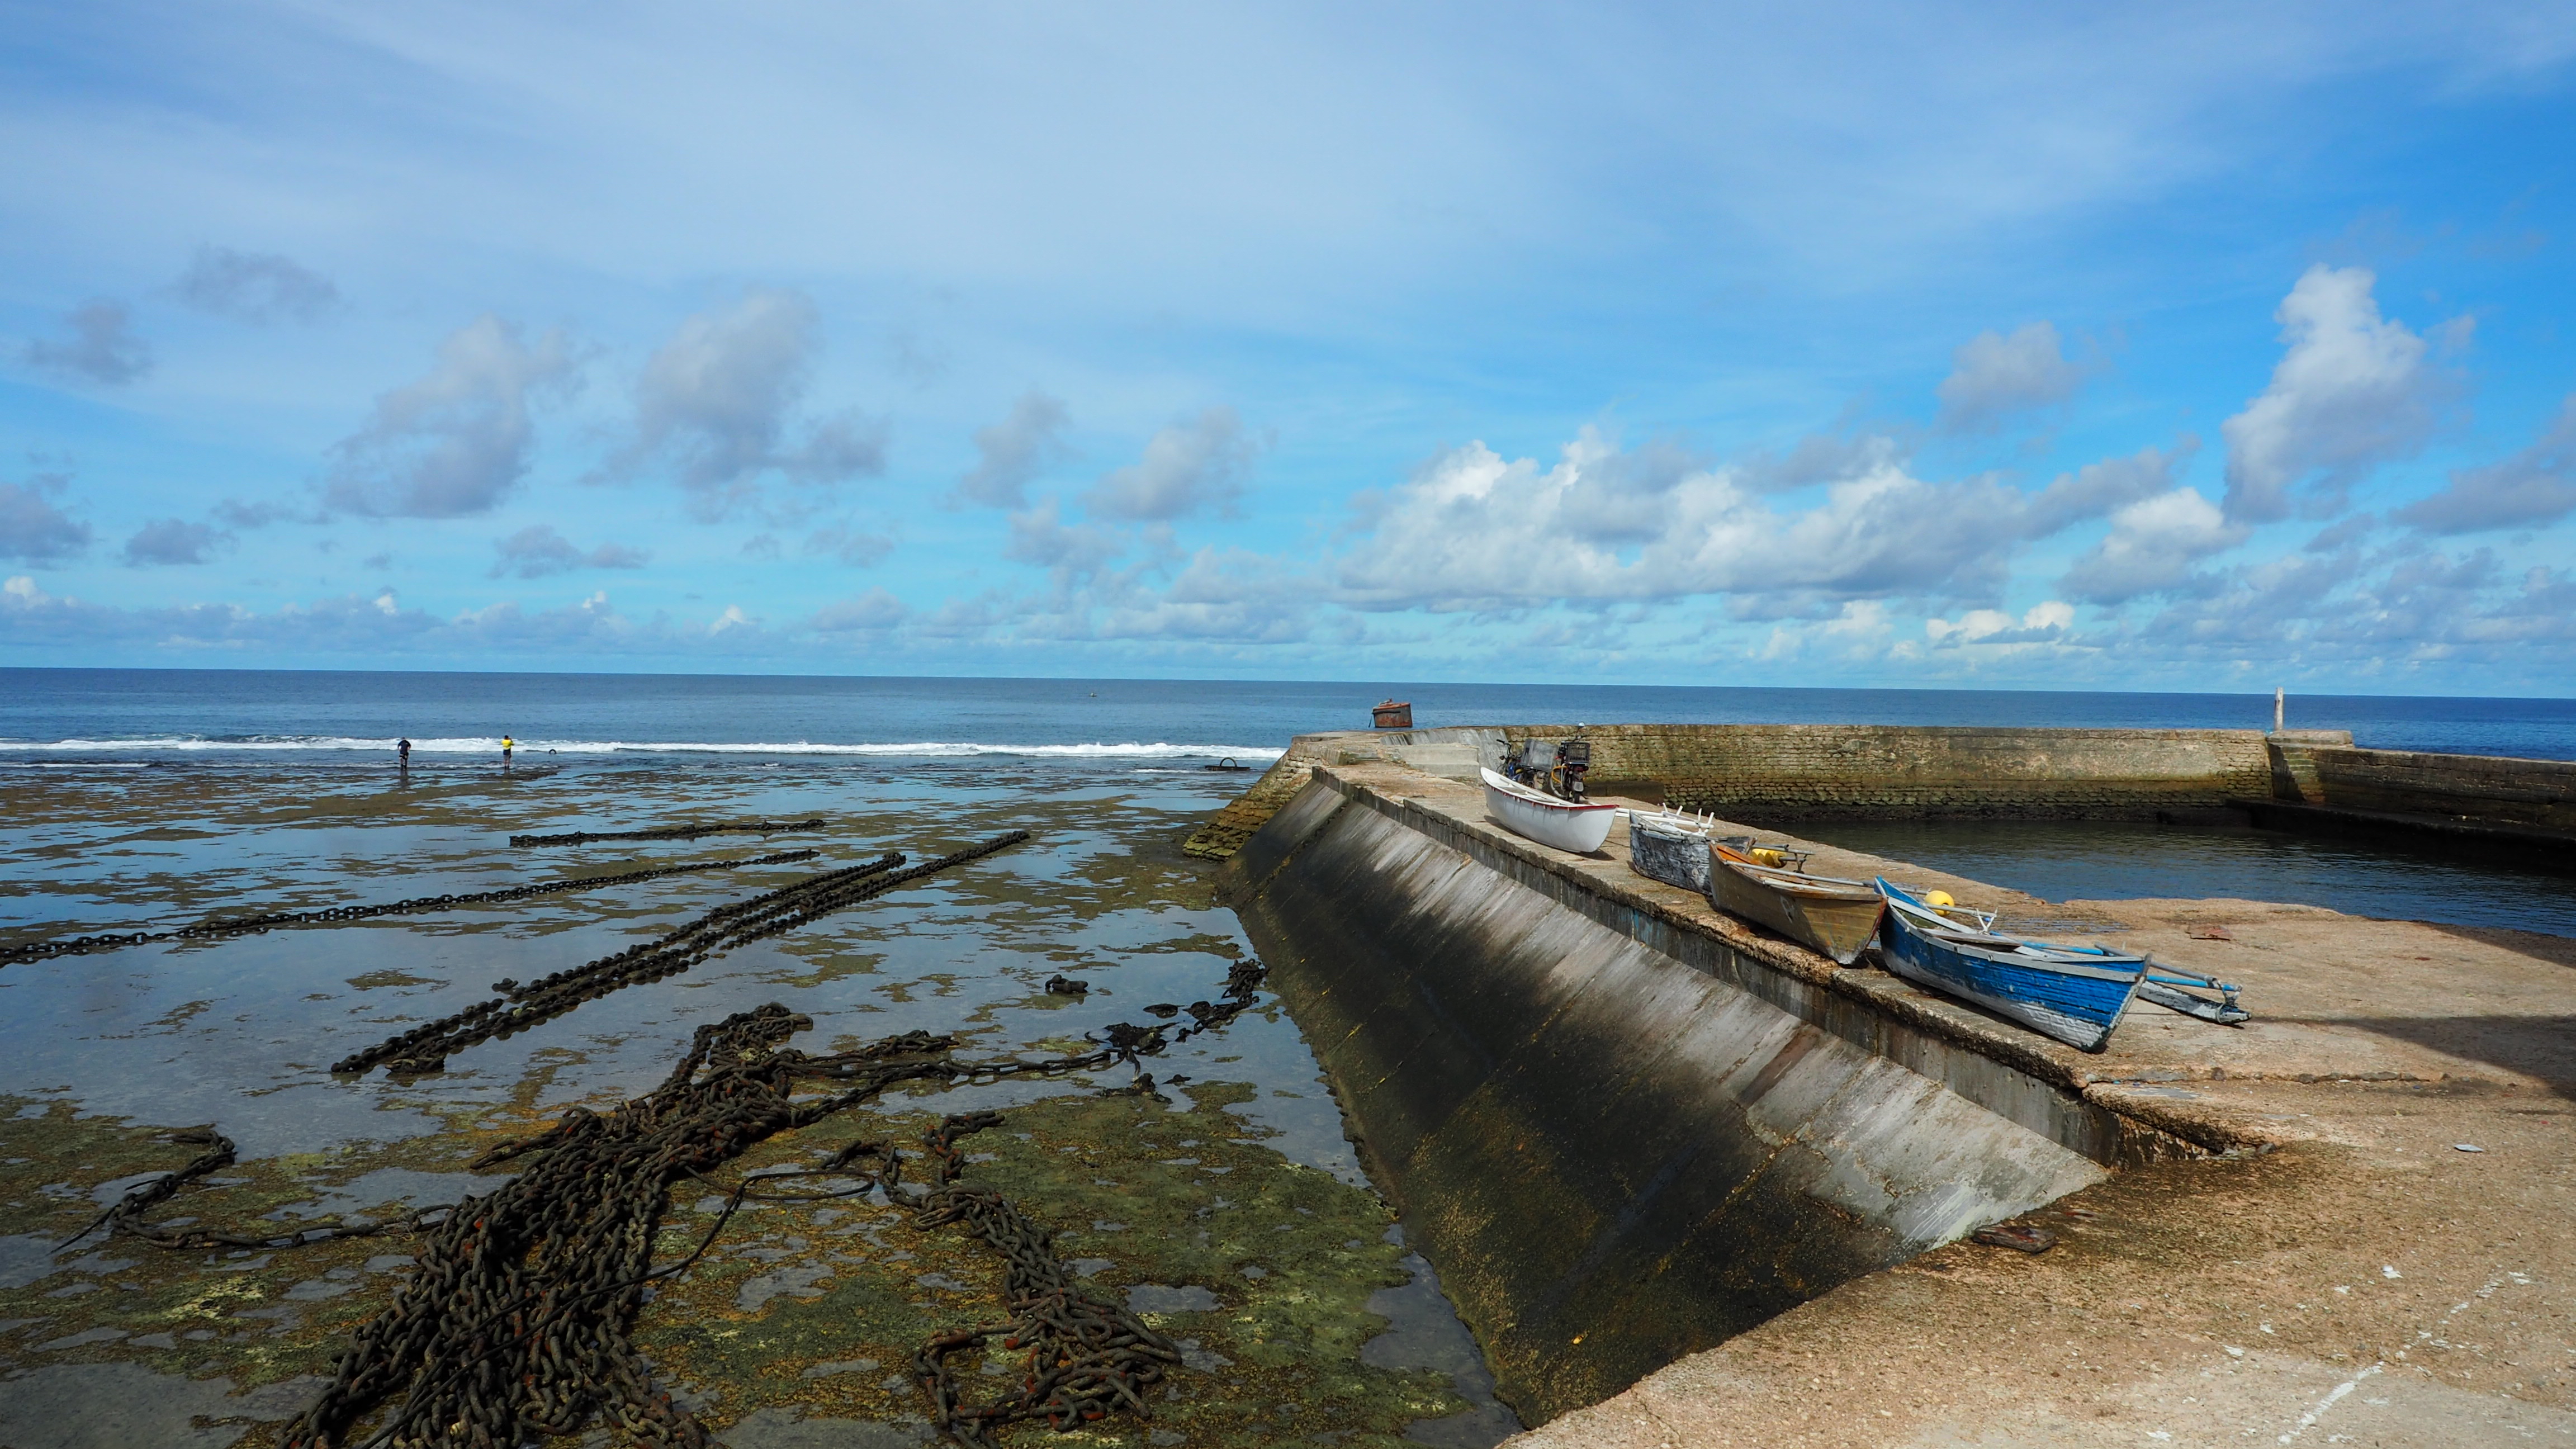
(1614, 1157)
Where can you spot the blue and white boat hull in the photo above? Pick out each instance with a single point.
(2077, 996)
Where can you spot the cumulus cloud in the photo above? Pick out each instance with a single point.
(1474, 531)
(233, 513)
(718, 403)
(1041, 536)
(1821, 458)
(1200, 463)
(371, 627)
(32, 529)
(851, 545)
(103, 346)
(256, 287)
(2098, 489)
(1011, 452)
(870, 613)
(2153, 546)
(2352, 390)
(457, 441)
(1992, 376)
(173, 541)
(2534, 487)
(2044, 623)
(538, 550)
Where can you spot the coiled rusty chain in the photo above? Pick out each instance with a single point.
(425, 1048)
(1086, 1356)
(671, 832)
(333, 915)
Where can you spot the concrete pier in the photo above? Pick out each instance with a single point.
(1641, 1138)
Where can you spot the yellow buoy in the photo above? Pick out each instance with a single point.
(1939, 900)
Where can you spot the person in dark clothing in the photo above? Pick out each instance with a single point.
(402, 751)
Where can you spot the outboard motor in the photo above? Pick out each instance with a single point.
(1573, 760)
(1553, 766)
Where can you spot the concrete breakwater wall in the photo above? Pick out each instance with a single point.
(1776, 774)
(1620, 1136)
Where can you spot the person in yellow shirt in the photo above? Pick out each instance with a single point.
(507, 745)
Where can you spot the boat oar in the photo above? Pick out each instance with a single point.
(2161, 990)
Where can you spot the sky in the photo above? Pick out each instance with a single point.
(2194, 346)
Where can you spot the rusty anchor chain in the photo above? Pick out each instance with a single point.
(334, 915)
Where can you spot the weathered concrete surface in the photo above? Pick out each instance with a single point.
(2309, 780)
(2378, 1045)
(2213, 1303)
(1613, 1157)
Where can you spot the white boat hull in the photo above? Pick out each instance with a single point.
(1564, 824)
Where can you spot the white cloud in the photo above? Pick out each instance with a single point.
(872, 612)
(538, 550)
(455, 442)
(2153, 545)
(2097, 489)
(1074, 550)
(2534, 487)
(1012, 452)
(1197, 464)
(2352, 390)
(1473, 531)
(851, 545)
(1993, 376)
(32, 529)
(256, 287)
(173, 541)
(717, 404)
(2044, 623)
(103, 346)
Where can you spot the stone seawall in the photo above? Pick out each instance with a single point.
(1767, 773)
(1621, 1136)
(1823, 772)
(1781, 774)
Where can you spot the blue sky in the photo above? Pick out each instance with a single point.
(2181, 347)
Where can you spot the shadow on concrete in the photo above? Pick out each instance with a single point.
(2556, 950)
(2536, 1046)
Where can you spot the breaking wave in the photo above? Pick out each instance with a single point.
(488, 745)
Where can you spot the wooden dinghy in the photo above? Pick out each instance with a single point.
(1670, 847)
(2076, 994)
(1575, 825)
(2073, 993)
(1829, 915)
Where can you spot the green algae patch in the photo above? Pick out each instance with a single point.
(1259, 1268)
(253, 1317)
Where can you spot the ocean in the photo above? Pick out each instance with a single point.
(211, 716)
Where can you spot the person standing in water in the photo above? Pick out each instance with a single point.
(402, 752)
(507, 744)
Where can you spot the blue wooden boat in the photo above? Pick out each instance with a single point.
(2076, 994)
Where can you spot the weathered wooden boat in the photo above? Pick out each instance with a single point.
(1575, 825)
(1829, 915)
(2076, 994)
(1670, 847)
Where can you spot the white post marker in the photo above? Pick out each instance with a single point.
(2278, 697)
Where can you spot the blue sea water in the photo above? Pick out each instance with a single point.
(312, 717)
(960, 735)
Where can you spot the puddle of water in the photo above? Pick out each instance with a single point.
(1238, 1188)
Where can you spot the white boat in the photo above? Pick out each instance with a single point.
(1566, 824)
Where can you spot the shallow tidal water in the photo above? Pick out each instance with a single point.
(1230, 1212)
(2086, 860)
